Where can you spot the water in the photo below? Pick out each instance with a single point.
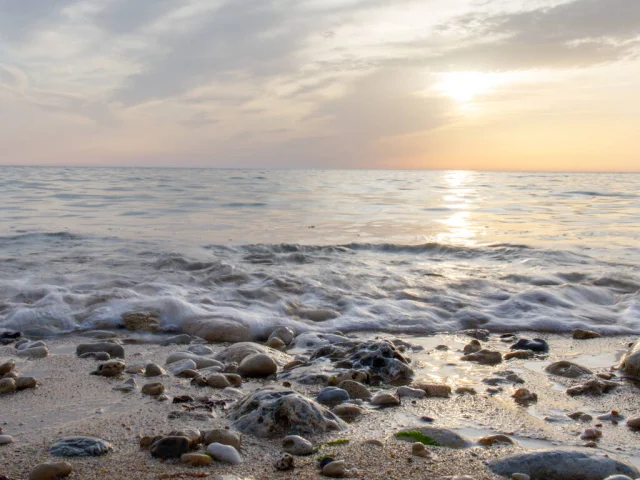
(398, 251)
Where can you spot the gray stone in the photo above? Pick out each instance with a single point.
(99, 334)
(200, 361)
(410, 392)
(183, 339)
(6, 439)
(217, 330)
(113, 349)
(285, 334)
(223, 436)
(446, 438)
(355, 389)
(176, 368)
(200, 350)
(80, 447)
(630, 363)
(37, 352)
(23, 383)
(562, 464)
(24, 346)
(332, 396)
(385, 399)
(224, 453)
(296, 445)
(258, 365)
(126, 386)
(567, 369)
(100, 356)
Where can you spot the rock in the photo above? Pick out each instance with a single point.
(218, 380)
(419, 450)
(519, 354)
(202, 350)
(374, 442)
(126, 386)
(472, 347)
(292, 364)
(296, 445)
(524, 396)
(335, 469)
(466, 390)
(112, 368)
(135, 368)
(492, 440)
(153, 370)
(630, 363)
(442, 348)
(222, 436)
(276, 344)
(434, 389)
(535, 345)
(634, 423)
(591, 434)
(170, 447)
(618, 477)
(182, 339)
(410, 392)
(579, 334)
(26, 345)
(237, 352)
(484, 357)
(446, 438)
(332, 396)
(285, 334)
(284, 463)
(6, 439)
(34, 353)
(188, 373)
(478, 334)
(141, 321)
(13, 374)
(224, 453)
(193, 434)
(513, 378)
(99, 334)
(176, 368)
(217, 330)
(50, 471)
(113, 349)
(200, 361)
(594, 387)
(567, 369)
(80, 447)
(257, 365)
(520, 476)
(271, 410)
(196, 459)
(347, 412)
(562, 464)
(147, 441)
(354, 375)
(233, 379)
(613, 417)
(580, 416)
(385, 399)
(23, 383)
(7, 385)
(99, 356)
(7, 367)
(153, 389)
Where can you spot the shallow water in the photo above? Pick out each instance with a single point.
(320, 250)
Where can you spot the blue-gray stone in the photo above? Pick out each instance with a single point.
(535, 345)
(332, 396)
(80, 447)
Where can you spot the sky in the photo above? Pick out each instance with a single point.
(428, 84)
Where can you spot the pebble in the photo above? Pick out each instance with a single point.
(153, 370)
(335, 469)
(385, 399)
(591, 434)
(234, 379)
(22, 383)
(99, 356)
(26, 345)
(355, 375)
(491, 440)
(296, 445)
(434, 389)
(472, 347)
(80, 447)
(466, 390)
(580, 416)
(196, 459)
(113, 349)
(37, 352)
(519, 354)
(285, 462)
(524, 396)
(50, 471)
(257, 365)
(193, 434)
(595, 387)
(484, 357)
(285, 334)
(200, 361)
(374, 442)
(6, 439)
(135, 369)
(355, 389)
(126, 386)
(634, 423)
(520, 476)
(535, 345)
(6, 367)
(410, 392)
(567, 369)
(182, 339)
(224, 453)
(153, 389)
(200, 350)
(276, 343)
(7, 385)
(442, 348)
(579, 334)
(332, 396)
(419, 450)
(112, 368)
(223, 436)
(347, 412)
(218, 380)
(170, 447)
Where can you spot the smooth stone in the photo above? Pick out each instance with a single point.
(385, 399)
(196, 459)
(6, 367)
(535, 345)
(419, 450)
(466, 390)
(410, 392)
(579, 334)
(113, 349)
(153, 389)
(519, 354)
(234, 380)
(170, 447)
(355, 389)
(193, 434)
(38, 352)
(126, 386)
(153, 370)
(233, 392)
(218, 380)
(182, 339)
(13, 374)
(112, 368)
(202, 350)
(296, 445)
(374, 442)
(580, 416)
(630, 363)
(285, 462)
(484, 357)
(335, 469)
(23, 383)
(618, 477)
(446, 438)
(144, 321)
(200, 361)
(224, 453)
(332, 396)
(239, 351)
(6, 439)
(50, 471)
(276, 344)
(634, 423)
(257, 365)
(562, 464)
(176, 368)
(80, 447)
(99, 356)
(353, 375)
(7, 385)
(99, 334)
(567, 369)
(594, 387)
(347, 412)
(472, 347)
(520, 476)
(188, 373)
(24, 346)
(434, 389)
(491, 440)
(135, 369)
(524, 396)
(217, 330)
(285, 334)
(222, 436)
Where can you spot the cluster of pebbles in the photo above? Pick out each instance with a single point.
(356, 377)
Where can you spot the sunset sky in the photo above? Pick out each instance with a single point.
(460, 84)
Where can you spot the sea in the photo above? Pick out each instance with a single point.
(319, 250)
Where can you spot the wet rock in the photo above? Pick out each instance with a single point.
(536, 345)
(196, 459)
(218, 380)
(223, 436)
(374, 442)
(126, 386)
(188, 373)
(579, 334)
(271, 410)
(297, 445)
(591, 434)
(419, 450)
(613, 417)
(332, 396)
(34, 353)
(7, 367)
(491, 440)
(513, 378)
(285, 334)
(13, 374)
(200, 349)
(634, 423)
(519, 354)
(257, 365)
(80, 447)
(524, 396)
(22, 383)
(6, 439)
(335, 469)
(434, 389)
(353, 375)
(182, 339)
(562, 464)
(200, 361)
(293, 364)
(347, 412)
(99, 356)
(50, 471)
(276, 344)
(233, 379)
(446, 438)
(630, 363)
(112, 368)
(410, 392)
(99, 334)
(141, 321)
(193, 434)
(224, 453)
(7, 385)
(567, 369)
(153, 370)
(580, 417)
(441, 348)
(594, 387)
(466, 390)
(135, 368)
(478, 334)
(237, 352)
(113, 349)
(153, 389)
(27, 344)
(176, 368)
(217, 330)
(284, 463)
(170, 447)
(520, 476)
(484, 357)
(472, 347)
(385, 399)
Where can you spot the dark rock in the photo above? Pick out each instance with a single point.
(113, 349)
(535, 345)
(170, 447)
(80, 447)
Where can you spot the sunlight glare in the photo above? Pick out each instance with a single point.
(465, 86)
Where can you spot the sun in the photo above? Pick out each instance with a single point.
(463, 87)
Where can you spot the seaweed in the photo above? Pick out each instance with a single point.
(417, 436)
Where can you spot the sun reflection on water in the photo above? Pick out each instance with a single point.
(459, 227)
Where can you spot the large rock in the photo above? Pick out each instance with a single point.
(567, 369)
(562, 464)
(80, 447)
(141, 321)
(630, 363)
(237, 352)
(273, 410)
(446, 438)
(258, 365)
(217, 330)
(113, 349)
(33, 353)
